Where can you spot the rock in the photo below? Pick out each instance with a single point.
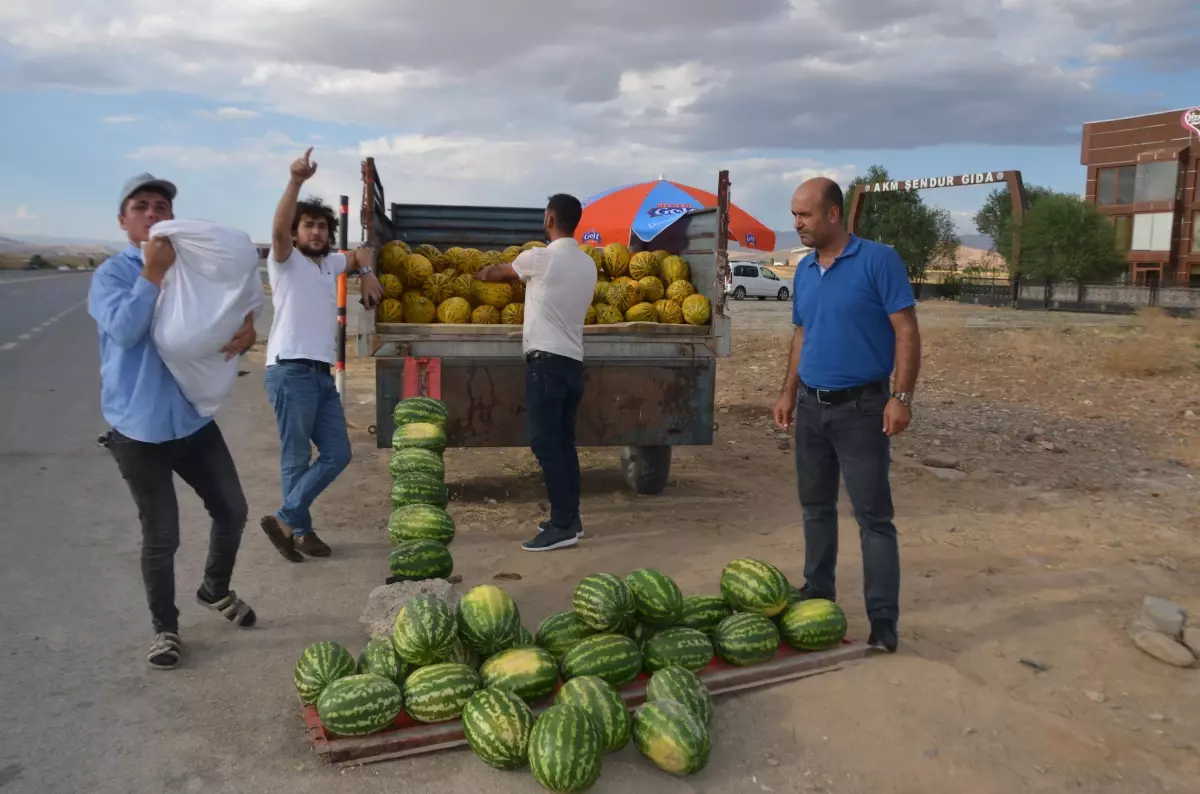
(1095, 697)
(1162, 616)
(1156, 718)
(1050, 446)
(785, 445)
(1191, 638)
(782, 436)
(948, 475)
(940, 460)
(1189, 414)
(385, 601)
(1167, 562)
(1164, 648)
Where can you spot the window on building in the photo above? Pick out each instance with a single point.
(1124, 226)
(1115, 185)
(1156, 181)
(1196, 232)
(1152, 231)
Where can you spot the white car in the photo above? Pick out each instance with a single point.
(756, 281)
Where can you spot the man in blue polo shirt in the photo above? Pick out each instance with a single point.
(855, 321)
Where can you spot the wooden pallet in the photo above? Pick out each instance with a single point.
(407, 737)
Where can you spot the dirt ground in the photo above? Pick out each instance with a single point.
(1074, 495)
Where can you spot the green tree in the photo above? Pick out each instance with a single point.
(1067, 239)
(922, 235)
(995, 216)
(38, 262)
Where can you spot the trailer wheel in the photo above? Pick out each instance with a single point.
(646, 469)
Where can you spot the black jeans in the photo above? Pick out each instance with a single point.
(204, 463)
(848, 438)
(553, 390)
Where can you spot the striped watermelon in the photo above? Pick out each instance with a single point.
(379, 658)
(424, 631)
(438, 692)
(359, 704)
(671, 736)
(418, 560)
(564, 750)
(603, 601)
(462, 653)
(497, 725)
(420, 522)
(524, 638)
(530, 673)
(795, 594)
(704, 612)
(656, 598)
(320, 665)
(422, 435)
(561, 632)
(418, 488)
(642, 635)
(682, 686)
(813, 625)
(688, 648)
(420, 409)
(416, 459)
(613, 657)
(755, 586)
(488, 620)
(743, 639)
(603, 704)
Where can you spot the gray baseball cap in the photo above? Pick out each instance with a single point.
(143, 181)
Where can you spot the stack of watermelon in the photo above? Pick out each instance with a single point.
(419, 527)
(478, 663)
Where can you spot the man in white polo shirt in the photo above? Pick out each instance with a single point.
(561, 280)
(300, 354)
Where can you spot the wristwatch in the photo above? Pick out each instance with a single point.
(905, 397)
(365, 270)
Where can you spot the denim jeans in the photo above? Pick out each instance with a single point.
(848, 438)
(307, 409)
(203, 461)
(553, 390)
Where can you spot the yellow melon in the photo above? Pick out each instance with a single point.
(392, 286)
(485, 315)
(390, 311)
(438, 287)
(601, 290)
(492, 293)
(511, 253)
(417, 270)
(641, 313)
(660, 255)
(633, 285)
(513, 314)
(418, 308)
(426, 250)
(620, 296)
(454, 311)
(596, 254)
(460, 285)
(607, 315)
(674, 269)
(668, 311)
(533, 244)
(590, 318)
(679, 290)
(392, 256)
(696, 310)
(652, 289)
(616, 259)
(442, 263)
(643, 264)
(518, 288)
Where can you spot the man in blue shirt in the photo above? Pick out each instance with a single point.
(856, 322)
(156, 433)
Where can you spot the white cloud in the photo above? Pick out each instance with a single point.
(120, 119)
(229, 114)
(19, 220)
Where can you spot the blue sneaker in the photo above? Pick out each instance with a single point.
(550, 537)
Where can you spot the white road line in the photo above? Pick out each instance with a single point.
(4, 282)
(8, 346)
(45, 324)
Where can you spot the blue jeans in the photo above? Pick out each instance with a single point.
(307, 409)
(553, 390)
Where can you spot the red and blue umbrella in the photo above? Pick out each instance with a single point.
(646, 210)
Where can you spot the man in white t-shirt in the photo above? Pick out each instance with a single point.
(561, 280)
(300, 355)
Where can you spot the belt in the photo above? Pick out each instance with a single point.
(533, 355)
(839, 396)
(319, 366)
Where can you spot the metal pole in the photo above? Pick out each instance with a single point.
(343, 246)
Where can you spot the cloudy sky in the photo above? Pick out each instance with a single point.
(506, 101)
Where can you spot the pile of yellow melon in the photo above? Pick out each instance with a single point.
(425, 285)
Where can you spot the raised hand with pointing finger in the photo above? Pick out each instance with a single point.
(302, 169)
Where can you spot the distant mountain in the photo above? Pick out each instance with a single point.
(56, 246)
(980, 241)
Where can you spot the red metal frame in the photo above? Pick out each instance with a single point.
(423, 377)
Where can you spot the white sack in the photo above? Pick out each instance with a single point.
(205, 297)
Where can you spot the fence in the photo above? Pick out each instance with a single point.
(1107, 298)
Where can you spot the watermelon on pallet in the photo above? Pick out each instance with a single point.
(755, 586)
(529, 673)
(561, 632)
(424, 631)
(813, 625)
(682, 686)
(488, 619)
(613, 657)
(671, 736)
(420, 409)
(497, 725)
(420, 522)
(603, 602)
(422, 435)
(687, 648)
(419, 488)
(564, 750)
(359, 704)
(417, 459)
(318, 666)
(438, 692)
(744, 639)
(418, 560)
(704, 612)
(656, 598)
(603, 704)
(379, 658)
